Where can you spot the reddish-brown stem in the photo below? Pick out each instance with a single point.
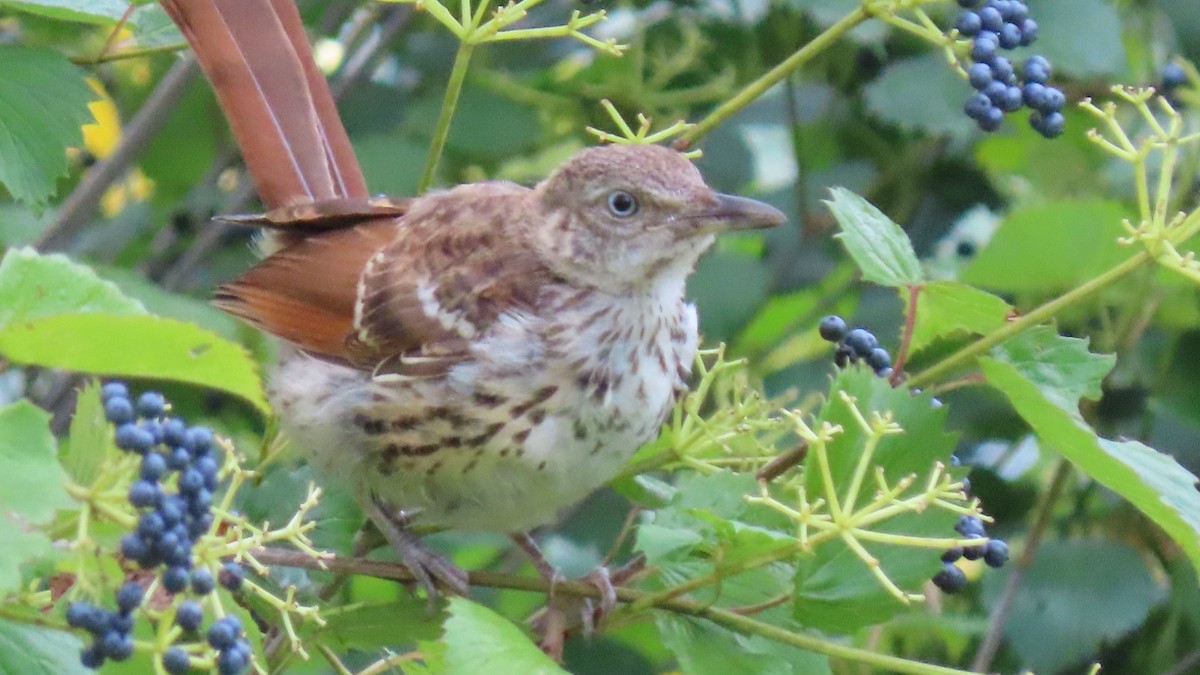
(910, 320)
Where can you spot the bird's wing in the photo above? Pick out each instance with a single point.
(400, 295)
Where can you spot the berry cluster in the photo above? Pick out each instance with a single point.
(995, 553)
(854, 345)
(171, 521)
(111, 630)
(1005, 24)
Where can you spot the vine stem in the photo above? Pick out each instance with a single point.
(991, 641)
(682, 606)
(1037, 316)
(772, 77)
(458, 76)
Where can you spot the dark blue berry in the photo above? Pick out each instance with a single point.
(974, 552)
(151, 525)
(180, 555)
(991, 19)
(222, 634)
(1012, 99)
(844, 356)
(202, 581)
(174, 431)
(231, 662)
(199, 440)
(179, 459)
(190, 482)
(175, 579)
(983, 49)
(996, 92)
(1010, 36)
(116, 645)
(977, 106)
(154, 466)
(969, 24)
(121, 622)
(129, 597)
(832, 328)
(209, 470)
(861, 341)
(1053, 100)
(172, 510)
(118, 410)
(144, 494)
(1034, 95)
(113, 390)
(151, 404)
(966, 484)
(952, 554)
(1017, 12)
(135, 548)
(200, 525)
(979, 75)
(950, 579)
(879, 359)
(1029, 32)
(996, 553)
(134, 438)
(200, 503)
(88, 617)
(970, 526)
(1050, 125)
(1037, 69)
(1002, 70)
(92, 656)
(176, 661)
(231, 575)
(1173, 76)
(992, 119)
(189, 616)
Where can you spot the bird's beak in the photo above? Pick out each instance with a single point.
(731, 213)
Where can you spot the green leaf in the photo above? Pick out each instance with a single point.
(33, 286)
(90, 438)
(102, 12)
(921, 94)
(45, 104)
(479, 640)
(1027, 252)
(1061, 367)
(877, 244)
(33, 490)
(1045, 392)
(835, 590)
(1105, 581)
(369, 626)
(135, 346)
(703, 648)
(948, 307)
(30, 650)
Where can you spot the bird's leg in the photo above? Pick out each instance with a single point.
(428, 566)
(553, 623)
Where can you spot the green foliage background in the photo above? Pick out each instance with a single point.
(1113, 526)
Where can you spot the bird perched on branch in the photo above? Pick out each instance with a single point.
(475, 358)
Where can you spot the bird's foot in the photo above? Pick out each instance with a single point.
(432, 570)
(565, 614)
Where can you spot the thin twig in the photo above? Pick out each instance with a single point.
(81, 205)
(1045, 511)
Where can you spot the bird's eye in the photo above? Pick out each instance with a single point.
(622, 204)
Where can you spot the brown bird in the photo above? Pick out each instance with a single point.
(475, 358)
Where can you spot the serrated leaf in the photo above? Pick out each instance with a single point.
(1026, 253)
(135, 346)
(1153, 482)
(33, 286)
(90, 439)
(1105, 581)
(479, 640)
(31, 650)
(948, 307)
(33, 489)
(878, 245)
(45, 104)
(1062, 367)
(835, 590)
